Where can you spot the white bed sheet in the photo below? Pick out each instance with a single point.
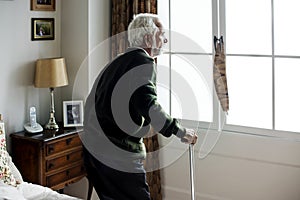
(28, 191)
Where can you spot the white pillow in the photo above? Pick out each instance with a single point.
(14, 170)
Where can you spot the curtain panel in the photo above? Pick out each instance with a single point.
(219, 73)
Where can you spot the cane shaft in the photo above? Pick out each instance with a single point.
(191, 154)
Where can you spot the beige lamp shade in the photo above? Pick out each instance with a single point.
(50, 73)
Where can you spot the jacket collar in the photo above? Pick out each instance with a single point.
(137, 48)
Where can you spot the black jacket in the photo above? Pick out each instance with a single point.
(125, 102)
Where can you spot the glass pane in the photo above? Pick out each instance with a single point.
(250, 91)
(287, 96)
(163, 12)
(248, 27)
(163, 82)
(286, 27)
(191, 19)
(191, 82)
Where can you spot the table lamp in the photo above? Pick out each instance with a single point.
(51, 73)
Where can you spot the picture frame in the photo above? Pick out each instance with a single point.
(42, 29)
(42, 5)
(73, 113)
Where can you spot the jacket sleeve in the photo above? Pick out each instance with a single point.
(144, 102)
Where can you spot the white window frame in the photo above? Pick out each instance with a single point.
(219, 120)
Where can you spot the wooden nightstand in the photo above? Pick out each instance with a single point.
(52, 159)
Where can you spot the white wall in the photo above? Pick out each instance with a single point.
(74, 41)
(240, 167)
(18, 55)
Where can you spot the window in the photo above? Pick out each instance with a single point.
(187, 64)
(263, 60)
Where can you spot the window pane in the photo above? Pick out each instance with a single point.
(287, 96)
(193, 19)
(163, 12)
(163, 82)
(191, 80)
(286, 25)
(250, 91)
(248, 27)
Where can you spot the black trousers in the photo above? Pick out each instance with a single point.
(111, 184)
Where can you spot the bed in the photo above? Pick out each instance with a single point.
(12, 186)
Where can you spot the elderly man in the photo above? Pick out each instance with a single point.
(121, 107)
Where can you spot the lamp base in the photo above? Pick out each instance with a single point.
(51, 126)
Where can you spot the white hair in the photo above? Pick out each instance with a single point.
(141, 25)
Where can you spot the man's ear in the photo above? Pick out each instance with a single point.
(148, 40)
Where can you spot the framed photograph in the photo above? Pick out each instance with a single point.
(73, 113)
(42, 5)
(42, 29)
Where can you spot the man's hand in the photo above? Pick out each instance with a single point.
(190, 137)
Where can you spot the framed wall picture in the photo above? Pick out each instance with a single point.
(42, 29)
(42, 5)
(73, 113)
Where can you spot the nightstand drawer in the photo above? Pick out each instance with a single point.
(64, 144)
(64, 160)
(65, 175)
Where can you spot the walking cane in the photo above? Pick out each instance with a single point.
(191, 154)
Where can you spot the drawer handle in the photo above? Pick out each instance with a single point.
(67, 173)
(68, 157)
(68, 141)
(50, 149)
(50, 166)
